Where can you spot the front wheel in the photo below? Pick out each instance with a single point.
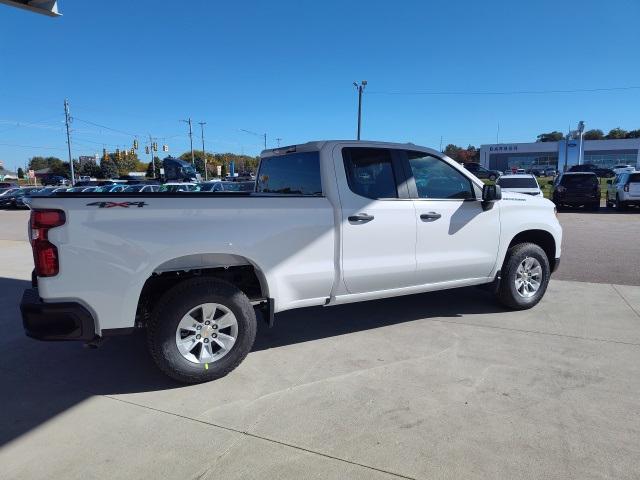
(525, 276)
(201, 330)
(492, 177)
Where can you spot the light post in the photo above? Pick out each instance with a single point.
(360, 86)
(204, 154)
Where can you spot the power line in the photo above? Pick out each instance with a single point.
(107, 128)
(48, 147)
(506, 92)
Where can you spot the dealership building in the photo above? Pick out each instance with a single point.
(560, 155)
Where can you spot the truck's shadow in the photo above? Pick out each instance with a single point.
(41, 380)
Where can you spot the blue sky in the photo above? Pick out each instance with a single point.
(287, 67)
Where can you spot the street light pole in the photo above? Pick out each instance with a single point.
(204, 154)
(360, 88)
(153, 160)
(193, 160)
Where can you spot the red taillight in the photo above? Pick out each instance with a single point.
(45, 253)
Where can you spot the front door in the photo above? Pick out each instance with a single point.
(456, 238)
(378, 220)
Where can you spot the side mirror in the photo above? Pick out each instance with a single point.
(491, 193)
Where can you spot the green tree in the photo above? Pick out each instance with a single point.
(20, 173)
(595, 134)
(108, 168)
(149, 173)
(90, 169)
(554, 136)
(616, 133)
(633, 134)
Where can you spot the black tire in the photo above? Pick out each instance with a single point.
(507, 293)
(492, 177)
(178, 301)
(620, 206)
(595, 206)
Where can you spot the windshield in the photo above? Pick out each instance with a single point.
(517, 182)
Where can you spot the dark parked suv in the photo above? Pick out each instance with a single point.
(577, 188)
(600, 172)
(481, 172)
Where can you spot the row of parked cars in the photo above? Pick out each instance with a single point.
(574, 189)
(12, 196)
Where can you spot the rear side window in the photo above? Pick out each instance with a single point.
(579, 181)
(291, 174)
(634, 178)
(370, 172)
(507, 182)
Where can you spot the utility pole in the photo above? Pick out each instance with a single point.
(204, 154)
(360, 88)
(67, 120)
(193, 160)
(278, 140)
(440, 142)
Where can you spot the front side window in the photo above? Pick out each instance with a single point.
(290, 174)
(370, 172)
(437, 179)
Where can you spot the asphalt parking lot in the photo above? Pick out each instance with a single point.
(441, 385)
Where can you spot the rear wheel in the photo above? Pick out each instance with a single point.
(595, 206)
(201, 330)
(525, 276)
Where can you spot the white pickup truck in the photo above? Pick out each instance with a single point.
(330, 222)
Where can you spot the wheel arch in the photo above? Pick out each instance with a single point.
(238, 270)
(543, 238)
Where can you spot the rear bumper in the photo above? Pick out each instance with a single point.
(55, 321)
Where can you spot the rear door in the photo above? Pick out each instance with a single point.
(456, 238)
(378, 225)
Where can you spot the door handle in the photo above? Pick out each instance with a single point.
(361, 217)
(430, 216)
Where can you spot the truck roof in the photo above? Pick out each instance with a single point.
(315, 145)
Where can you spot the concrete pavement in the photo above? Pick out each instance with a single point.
(441, 385)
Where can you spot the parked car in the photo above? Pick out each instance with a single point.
(617, 169)
(575, 189)
(520, 184)
(54, 180)
(8, 185)
(227, 187)
(599, 171)
(178, 187)
(550, 172)
(481, 172)
(27, 193)
(8, 197)
(323, 228)
(142, 188)
(624, 191)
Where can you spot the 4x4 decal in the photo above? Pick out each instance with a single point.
(116, 204)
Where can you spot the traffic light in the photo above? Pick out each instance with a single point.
(146, 149)
(155, 146)
(132, 151)
(135, 143)
(165, 148)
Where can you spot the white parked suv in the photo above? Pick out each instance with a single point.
(520, 184)
(624, 190)
(330, 222)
